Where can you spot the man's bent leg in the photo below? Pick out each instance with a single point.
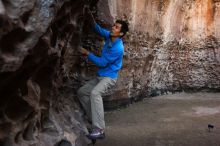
(97, 102)
(84, 96)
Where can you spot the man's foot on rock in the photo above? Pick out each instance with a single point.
(96, 133)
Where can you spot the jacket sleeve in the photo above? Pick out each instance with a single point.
(106, 59)
(101, 31)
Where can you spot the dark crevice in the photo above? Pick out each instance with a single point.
(17, 109)
(25, 17)
(8, 42)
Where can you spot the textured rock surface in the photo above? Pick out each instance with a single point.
(39, 72)
(172, 46)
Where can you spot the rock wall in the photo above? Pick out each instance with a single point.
(40, 71)
(172, 46)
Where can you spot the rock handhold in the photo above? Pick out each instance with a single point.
(49, 127)
(29, 132)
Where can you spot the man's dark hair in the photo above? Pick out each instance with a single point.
(124, 26)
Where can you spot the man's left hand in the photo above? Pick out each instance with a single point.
(84, 51)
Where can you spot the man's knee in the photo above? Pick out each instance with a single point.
(80, 92)
(95, 93)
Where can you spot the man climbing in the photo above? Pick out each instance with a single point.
(109, 63)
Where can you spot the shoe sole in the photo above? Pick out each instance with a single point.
(95, 138)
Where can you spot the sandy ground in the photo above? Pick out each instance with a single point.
(169, 120)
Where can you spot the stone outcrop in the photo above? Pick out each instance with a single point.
(40, 71)
(172, 46)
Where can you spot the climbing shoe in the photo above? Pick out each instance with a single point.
(96, 133)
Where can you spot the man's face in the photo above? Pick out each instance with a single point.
(116, 30)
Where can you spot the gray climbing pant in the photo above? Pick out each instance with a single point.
(90, 96)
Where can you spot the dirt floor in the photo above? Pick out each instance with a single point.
(169, 120)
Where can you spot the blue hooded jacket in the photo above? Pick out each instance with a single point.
(110, 61)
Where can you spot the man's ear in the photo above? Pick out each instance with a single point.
(121, 33)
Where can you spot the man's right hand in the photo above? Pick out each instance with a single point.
(84, 51)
